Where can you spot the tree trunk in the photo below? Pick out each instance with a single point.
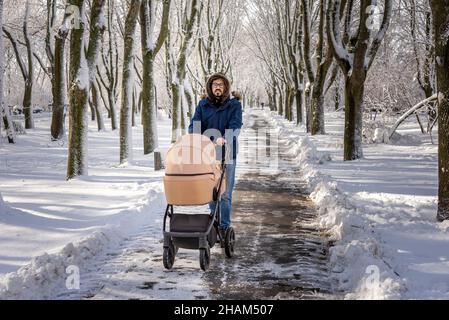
(126, 111)
(92, 110)
(189, 100)
(337, 96)
(134, 111)
(26, 70)
(307, 102)
(440, 11)
(112, 109)
(354, 90)
(77, 160)
(281, 102)
(323, 64)
(289, 102)
(7, 122)
(27, 107)
(28, 93)
(112, 62)
(96, 103)
(4, 112)
(318, 109)
(176, 110)
(149, 120)
(274, 97)
(59, 87)
(299, 99)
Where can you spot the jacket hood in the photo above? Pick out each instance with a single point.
(226, 92)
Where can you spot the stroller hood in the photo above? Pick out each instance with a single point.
(192, 171)
(192, 155)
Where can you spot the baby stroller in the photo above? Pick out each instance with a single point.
(194, 177)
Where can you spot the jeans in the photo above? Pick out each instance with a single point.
(226, 198)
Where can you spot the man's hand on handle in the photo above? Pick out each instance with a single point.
(220, 142)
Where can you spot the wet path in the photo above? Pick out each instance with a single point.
(280, 253)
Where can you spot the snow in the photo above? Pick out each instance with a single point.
(151, 42)
(57, 224)
(102, 23)
(82, 79)
(380, 211)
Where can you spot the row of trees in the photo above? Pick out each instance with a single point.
(307, 46)
(312, 53)
(91, 59)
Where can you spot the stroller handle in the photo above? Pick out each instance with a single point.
(227, 153)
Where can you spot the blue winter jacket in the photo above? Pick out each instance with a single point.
(225, 117)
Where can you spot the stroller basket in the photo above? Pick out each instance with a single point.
(192, 172)
(196, 223)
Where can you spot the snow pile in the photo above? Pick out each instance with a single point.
(45, 277)
(356, 259)
(375, 132)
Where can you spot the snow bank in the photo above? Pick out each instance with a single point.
(356, 259)
(45, 277)
(375, 132)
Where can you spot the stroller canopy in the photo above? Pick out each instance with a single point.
(192, 171)
(192, 154)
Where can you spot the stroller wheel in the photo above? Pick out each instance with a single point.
(229, 242)
(169, 256)
(205, 258)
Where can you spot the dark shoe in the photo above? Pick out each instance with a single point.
(222, 237)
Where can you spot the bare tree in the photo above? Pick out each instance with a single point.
(56, 56)
(276, 31)
(317, 76)
(150, 49)
(127, 85)
(189, 16)
(423, 60)
(4, 112)
(355, 59)
(96, 105)
(27, 70)
(82, 74)
(110, 64)
(217, 36)
(440, 12)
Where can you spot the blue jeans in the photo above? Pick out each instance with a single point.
(226, 198)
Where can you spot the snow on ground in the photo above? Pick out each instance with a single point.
(58, 223)
(381, 210)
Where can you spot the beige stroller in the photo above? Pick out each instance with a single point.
(194, 177)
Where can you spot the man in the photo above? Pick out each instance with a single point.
(219, 116)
